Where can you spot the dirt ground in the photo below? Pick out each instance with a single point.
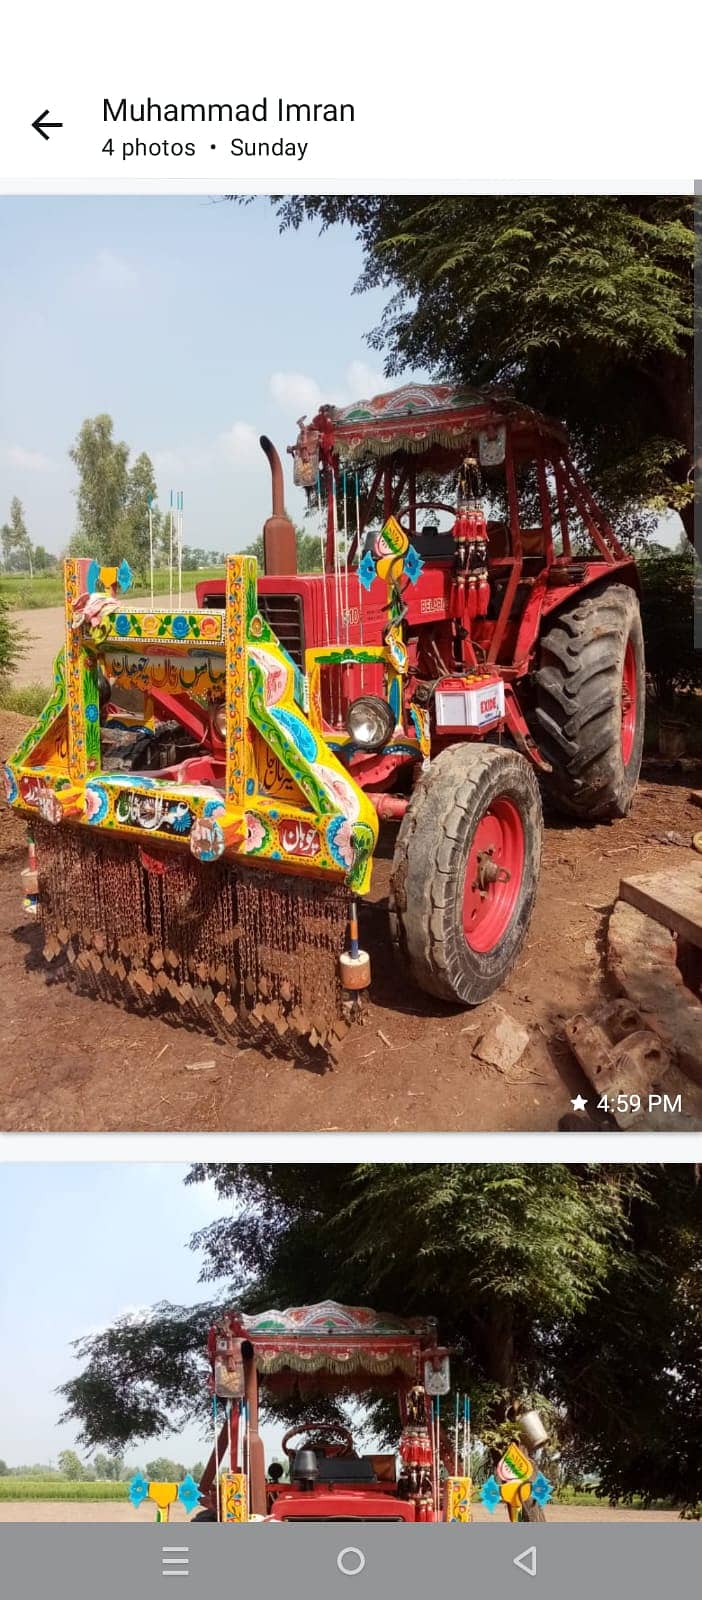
(121, 1511)
(42, 632)
(71, 1063)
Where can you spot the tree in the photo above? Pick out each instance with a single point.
(71, 1465)
(140, 493)
(112, 497)
(43, 560)
(673, 663)
(109, 1468)
(16, 543)
(11, 647)
(532, 1272)
(4, 1469)
(309, 552)
(164, 1471)
(580, 305)
(101, 497)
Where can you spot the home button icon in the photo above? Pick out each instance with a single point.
(350, 1561)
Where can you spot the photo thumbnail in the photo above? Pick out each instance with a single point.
(349, 699)
(437, 1343)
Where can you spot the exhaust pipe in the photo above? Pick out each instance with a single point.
(279, 543)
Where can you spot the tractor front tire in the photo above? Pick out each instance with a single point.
(465, 871)
(590, 703)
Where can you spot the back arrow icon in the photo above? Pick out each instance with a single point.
(41, 125)
(526, 1561)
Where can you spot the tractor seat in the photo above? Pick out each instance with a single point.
(345, 1469)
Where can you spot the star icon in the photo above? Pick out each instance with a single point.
(579, 1103)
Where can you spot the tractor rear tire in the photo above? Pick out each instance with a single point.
(590, 703)
(476, 809)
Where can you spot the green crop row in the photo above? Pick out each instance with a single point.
(60, 1489)
(31, 594)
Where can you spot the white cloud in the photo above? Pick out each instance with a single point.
(298, 394)
(113, 271)
(240, 445)
(237, 446)
(295, 393)
(27, 460)
(362, 382)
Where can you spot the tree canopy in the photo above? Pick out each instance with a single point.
(574, 1286)
(309, 553)
(112, 497)
(580, 305)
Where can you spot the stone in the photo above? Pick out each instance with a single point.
(641, 957)
(619, 1055)
(504, 1042)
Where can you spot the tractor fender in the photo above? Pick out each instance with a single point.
(597, 572)
(546, 599)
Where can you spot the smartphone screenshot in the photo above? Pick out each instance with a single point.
(351, 802)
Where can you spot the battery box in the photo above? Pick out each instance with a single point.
(469, 705)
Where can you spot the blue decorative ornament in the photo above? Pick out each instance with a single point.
(92, 577)
(188, 1493)
(180, 627)
(490, 1494)
(124, 576)
(541, 1489)
(91, 713)
(302, 736)
(11, 789)
(122, 624)
(99, 802)
(366, 570)
(138, 1489)
(332, 836)
(413, 564)
(180, 818)
(394, 699)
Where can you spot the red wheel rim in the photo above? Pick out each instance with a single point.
(628, 703)
(494, 873)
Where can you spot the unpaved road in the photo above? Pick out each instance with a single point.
(71, 1063)
(42, 633)
(120, 1511)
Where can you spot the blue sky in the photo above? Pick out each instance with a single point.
(195, 324)
(83, 1244)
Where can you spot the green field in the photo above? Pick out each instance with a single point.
(29, 594)
(60, 1489)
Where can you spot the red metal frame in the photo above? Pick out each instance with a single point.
(330, 1362)
(529, 581)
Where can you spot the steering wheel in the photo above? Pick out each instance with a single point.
(340, 1436)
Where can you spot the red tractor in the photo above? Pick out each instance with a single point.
(475, 628)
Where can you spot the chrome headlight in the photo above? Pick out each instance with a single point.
(370, 722)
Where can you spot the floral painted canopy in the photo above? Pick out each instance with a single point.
(337, 1344)
(417, 417)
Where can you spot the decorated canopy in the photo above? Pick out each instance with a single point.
(336, 1342)
(417, 417)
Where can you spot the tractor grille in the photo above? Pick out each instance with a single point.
(284, 614)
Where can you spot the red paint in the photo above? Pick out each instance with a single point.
(298, 838)
(487, 916)
(333, 1502)
(629, 703)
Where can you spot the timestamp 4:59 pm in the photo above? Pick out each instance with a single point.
(621, 1104)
